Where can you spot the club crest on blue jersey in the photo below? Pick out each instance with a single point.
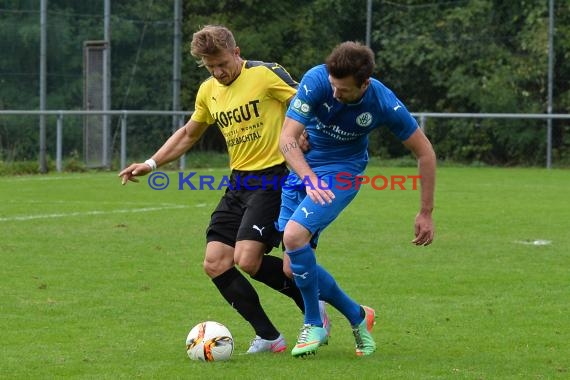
(364, 119)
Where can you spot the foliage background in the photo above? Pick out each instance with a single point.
(437, 56)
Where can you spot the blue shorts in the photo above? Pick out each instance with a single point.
(297, 206)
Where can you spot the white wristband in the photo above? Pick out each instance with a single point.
(152, 163)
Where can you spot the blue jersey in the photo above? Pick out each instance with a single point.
(338, 133)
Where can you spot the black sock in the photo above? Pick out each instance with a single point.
(271, 274)
(242, 296)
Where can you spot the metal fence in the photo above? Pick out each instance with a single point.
(179, 117)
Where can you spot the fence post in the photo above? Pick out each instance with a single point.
(58, 142)
(123, 140)
(182, 161)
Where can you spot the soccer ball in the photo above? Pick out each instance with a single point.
(209, 341)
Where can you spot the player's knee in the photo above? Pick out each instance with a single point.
(292, 240)
(248, 256)
(295, 236)
(248, 263)
(210, 269)
(215, 267)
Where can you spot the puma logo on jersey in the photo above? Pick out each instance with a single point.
(307, 90)
(255, 227)
(328, 107)
(307, 212)
(303, 275)
(397, 106)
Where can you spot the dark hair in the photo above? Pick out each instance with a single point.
(351, 59)
(211, 40)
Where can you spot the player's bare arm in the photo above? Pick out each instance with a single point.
(303, 140)
(293, 153)
(423, 150)
(182, 140)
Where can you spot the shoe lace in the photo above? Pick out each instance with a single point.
(304, 335)
(358, 338)
(255, 341)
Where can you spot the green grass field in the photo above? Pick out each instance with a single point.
(101, 281)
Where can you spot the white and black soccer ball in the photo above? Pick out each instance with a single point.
(209, 341)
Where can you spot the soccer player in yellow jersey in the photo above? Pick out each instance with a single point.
(247, 100)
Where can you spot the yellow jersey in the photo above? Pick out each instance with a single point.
(249, 112)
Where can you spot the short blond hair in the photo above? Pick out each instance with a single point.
(211, 40)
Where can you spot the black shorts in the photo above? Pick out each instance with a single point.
(249, 208)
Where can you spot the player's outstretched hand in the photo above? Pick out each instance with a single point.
(424, 230)
(319, 191)
(132, 171)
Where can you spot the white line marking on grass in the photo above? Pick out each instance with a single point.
(88, 213)
(39, 178)
(67, 202)
(534, 242)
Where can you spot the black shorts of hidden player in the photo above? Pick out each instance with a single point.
(249, 208)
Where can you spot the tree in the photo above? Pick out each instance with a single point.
(476, 56)
(452, 56)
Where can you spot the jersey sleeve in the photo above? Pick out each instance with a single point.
(281, 85)
(310, 94)
(398, 119)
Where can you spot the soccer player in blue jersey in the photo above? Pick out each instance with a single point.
(247, 101)
(339, 104)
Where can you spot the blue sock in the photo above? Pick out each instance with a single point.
(330, 292)
(304, 268)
